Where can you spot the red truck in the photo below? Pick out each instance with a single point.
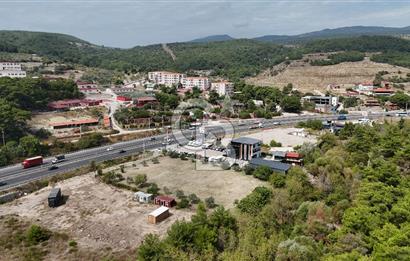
(31, 162)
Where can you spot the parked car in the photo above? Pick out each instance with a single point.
(2, 183)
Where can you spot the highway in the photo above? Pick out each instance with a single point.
(15, 175)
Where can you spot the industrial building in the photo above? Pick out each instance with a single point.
(245, 148)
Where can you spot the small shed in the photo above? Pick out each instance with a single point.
(165, 201)
(158, 215)
(143, 197)
(55, 198)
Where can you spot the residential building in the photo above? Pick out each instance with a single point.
(12, 70)
(276, 166)
(383, 92)
(246, 148)
(370, 102)
(81, 84)
(158, 215)
(223, 88)
(118, 90)
(143, 197)
(321, 100)
(201, 82)
(166, 78)
(165, 201)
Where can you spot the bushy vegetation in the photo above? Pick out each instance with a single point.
(350, 56)
(350, 203)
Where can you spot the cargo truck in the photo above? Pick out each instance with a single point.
(31, 162)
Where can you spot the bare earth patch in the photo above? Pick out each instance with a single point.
(175, 174)
(308, 78)
(96, 215)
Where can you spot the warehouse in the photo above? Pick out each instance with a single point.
(158, 215)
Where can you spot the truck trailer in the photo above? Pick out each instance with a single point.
(31, 162)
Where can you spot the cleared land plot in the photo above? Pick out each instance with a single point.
(176, 174)
(308, 78)
(281, 135)
(96, 215)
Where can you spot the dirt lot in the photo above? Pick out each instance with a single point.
(96, 215)
(282, 135)
(309, 78)
(224, 185)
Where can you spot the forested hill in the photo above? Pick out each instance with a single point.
(342, 32)
(233, 58)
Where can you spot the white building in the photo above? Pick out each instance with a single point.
(222, 88)
(166, 78)
(12, 70)
(201, 82)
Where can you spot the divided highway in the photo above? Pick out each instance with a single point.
(15, 175)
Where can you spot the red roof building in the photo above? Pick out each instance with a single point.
(293, 158)
(141, 101)
(123, 98)
(67, 104)
(165, 201)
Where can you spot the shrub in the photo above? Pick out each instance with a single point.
(72, 243)
(274, 143)
(184, 203)
(140, 180)
(248, 170)
(255, 201)
(210, 202)
(153, 189)
(262, 172)
(155, 160)
(277, 180)
(122, 168)
(193, 198)
(37, 234)
(180, 194)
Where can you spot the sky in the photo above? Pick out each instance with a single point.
(127, 23)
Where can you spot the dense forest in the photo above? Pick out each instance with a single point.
(351, 203)
(349, 56)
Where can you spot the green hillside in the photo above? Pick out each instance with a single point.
(234, 58)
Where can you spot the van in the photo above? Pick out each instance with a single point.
(58, 159)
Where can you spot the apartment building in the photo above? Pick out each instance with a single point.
(12, 70)
(166, 78)
(201, 82)
(222, 88)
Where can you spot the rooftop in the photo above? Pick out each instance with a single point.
(159, 211)
(274, 165)
(246, 140)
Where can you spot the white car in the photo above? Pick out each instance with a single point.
(110, 148)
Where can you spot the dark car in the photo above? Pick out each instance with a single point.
(122, 151)
(2, 183)
(153, 138)
(53, 167)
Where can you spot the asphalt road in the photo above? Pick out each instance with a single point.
(15, 175)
